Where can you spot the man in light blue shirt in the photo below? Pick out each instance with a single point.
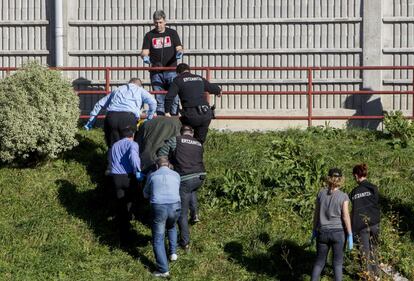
(123, 107)
(163, 190)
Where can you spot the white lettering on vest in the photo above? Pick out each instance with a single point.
(361, 195)
(189, 79)
(190, 142)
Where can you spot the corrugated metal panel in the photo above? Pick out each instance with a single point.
(228, 33)
(398, 49)
(24, 32)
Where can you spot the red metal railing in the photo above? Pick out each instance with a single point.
(309, 92)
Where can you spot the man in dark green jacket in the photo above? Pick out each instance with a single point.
(151, 136)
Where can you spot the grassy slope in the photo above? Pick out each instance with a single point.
(56, 221)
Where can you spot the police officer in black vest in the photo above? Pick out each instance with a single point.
(196, 111)
(186, 154)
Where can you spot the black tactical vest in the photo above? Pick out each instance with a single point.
(188, 156)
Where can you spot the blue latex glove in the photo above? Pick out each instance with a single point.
(90, 123)
(146, 60)
(314, 235)
(179, 55)
(140, 176)
(350, 241)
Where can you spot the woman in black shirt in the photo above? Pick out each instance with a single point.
(366, 219)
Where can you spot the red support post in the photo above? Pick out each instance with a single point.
(310, 104)
(107, 80)
(413, 95)
(208, 77)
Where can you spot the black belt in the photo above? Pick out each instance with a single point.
(201, 109)
(120, 112)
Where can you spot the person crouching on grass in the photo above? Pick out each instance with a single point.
(163, 190)
(331, 213)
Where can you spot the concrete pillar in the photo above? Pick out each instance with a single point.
(372, 56)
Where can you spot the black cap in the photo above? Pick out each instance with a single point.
(335, 172)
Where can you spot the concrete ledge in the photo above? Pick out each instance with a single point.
(271, 125)
(266, 125)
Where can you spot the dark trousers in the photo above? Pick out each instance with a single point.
(367, 240)
(126, 189)
(327, 239)
(193, 205)
(199, 121)
(114, 123)
(187, 188)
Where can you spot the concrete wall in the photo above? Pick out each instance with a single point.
(233, 33)
(24, 32)
(221, 33)
(398, 49)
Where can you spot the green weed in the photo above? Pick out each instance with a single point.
(56, 220)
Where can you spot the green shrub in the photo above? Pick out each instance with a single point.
(39, 114)
(239, 189)
(291, 165)
(286, 165)
(399, 128)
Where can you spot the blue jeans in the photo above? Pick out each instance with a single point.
(335, 239)
(187, 190)
(161, 81)
(164, 216)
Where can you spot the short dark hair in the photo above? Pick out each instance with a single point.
(182, 67)
(186, 129)
(158, 14)
(361, 170)
(135, 80)
(162, 161)
(128, 132)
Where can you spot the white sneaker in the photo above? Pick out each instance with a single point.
(159, 274)
(173, 257)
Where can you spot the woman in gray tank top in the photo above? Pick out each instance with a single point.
(330, 217)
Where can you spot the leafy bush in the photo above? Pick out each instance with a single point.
(292, 166)
(39, 114)
(286, 164)
(399, 128)
(239, 189)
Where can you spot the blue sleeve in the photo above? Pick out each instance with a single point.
(102, 103)
(134, 157)
(150, 100)
(147, 188)
(178, 176)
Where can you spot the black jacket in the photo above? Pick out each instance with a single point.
(365, 206)
(188, 156)
(190, 88)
